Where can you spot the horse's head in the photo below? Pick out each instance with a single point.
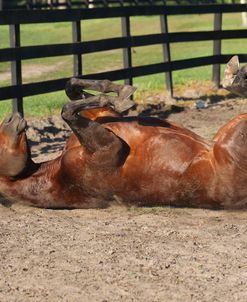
(235, 78)
(14, 152)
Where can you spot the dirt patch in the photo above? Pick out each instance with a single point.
(32, 71)
(122, 254)
(47, 137)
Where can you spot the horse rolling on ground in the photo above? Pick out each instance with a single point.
(140, 161)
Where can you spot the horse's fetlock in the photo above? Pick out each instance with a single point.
(66, 112)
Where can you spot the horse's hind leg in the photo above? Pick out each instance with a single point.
(109, 149)
(74, 88)
(235, 77)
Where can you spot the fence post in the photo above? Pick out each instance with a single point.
(76, 29)
(166, 54)
(217, 50)
(127, 58)
(16, 74)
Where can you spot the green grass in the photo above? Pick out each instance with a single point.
(38, 105)
(45, 104)
(58, 67)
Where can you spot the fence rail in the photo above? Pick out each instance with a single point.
(16, 53)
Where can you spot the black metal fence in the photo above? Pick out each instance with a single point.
(16, 53)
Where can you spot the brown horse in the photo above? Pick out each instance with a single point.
(139, 161)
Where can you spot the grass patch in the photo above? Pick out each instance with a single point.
(39, 105)
(45, 104)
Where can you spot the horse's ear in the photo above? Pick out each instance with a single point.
(232, 68)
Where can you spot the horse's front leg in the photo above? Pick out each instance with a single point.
(107, 148)
(235, 78)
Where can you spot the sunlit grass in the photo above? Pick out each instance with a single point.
(38, 105)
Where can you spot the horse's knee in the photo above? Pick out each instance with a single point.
(67, 112)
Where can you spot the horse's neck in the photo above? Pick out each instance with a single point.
(32, 186)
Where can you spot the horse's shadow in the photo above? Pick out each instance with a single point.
(51, 138)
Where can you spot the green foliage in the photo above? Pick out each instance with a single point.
(13, 3)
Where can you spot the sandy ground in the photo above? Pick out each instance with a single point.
(124, 254)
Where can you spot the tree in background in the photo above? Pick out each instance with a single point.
(13, 3)
(19, 3)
